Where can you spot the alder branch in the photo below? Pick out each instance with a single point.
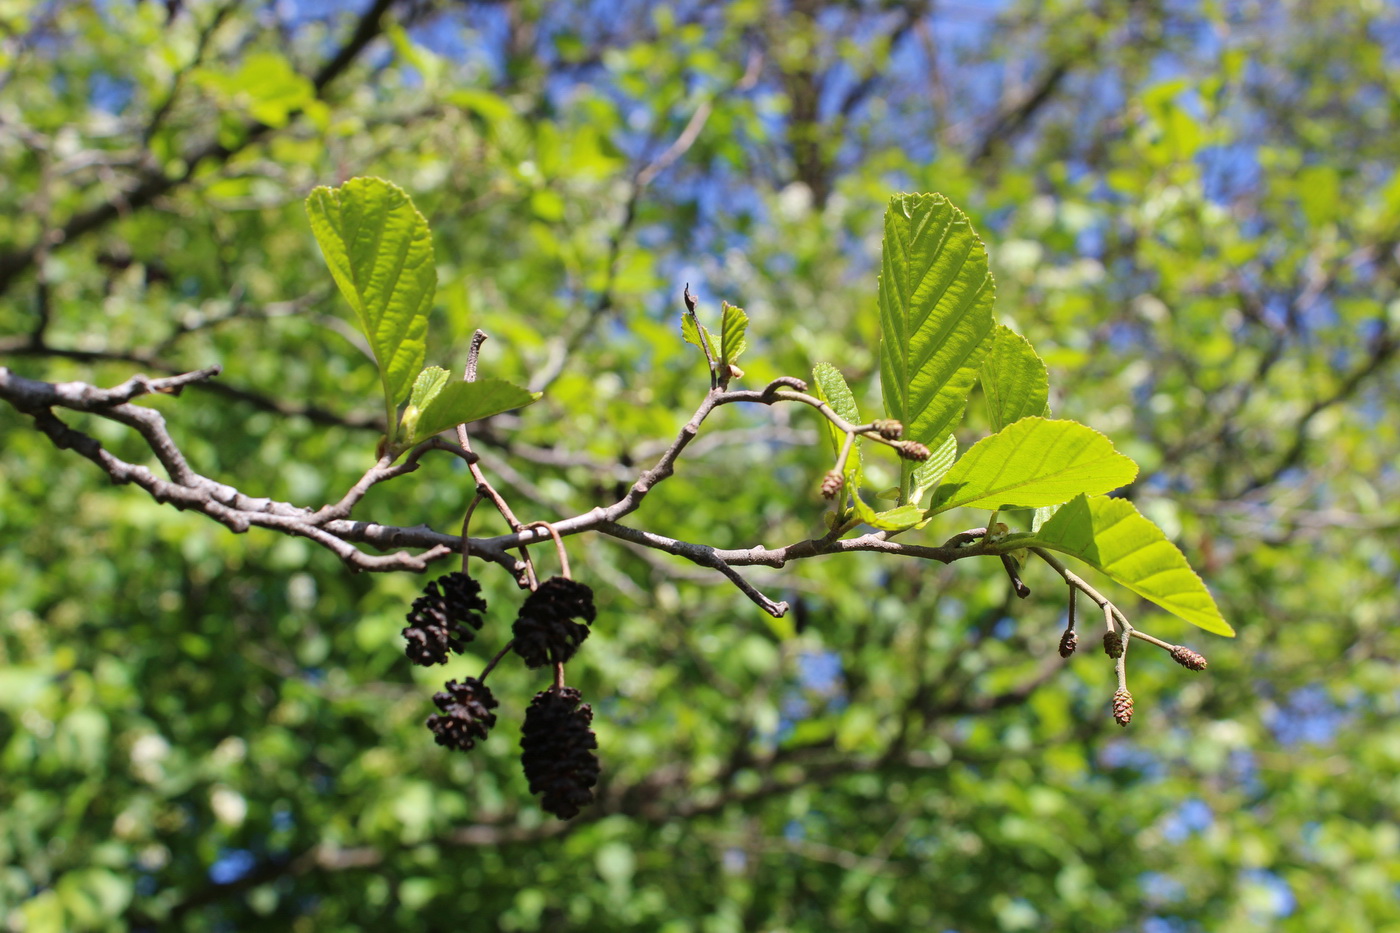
(332, 526)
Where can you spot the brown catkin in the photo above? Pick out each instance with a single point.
(466, 715)
(443, 618)
(1068, 642)
(888, 428)
(913, 450)
(1113, 645)
(557, 751)
(1191, 660)
(1123, 707)
(831, 484)
(553, 622)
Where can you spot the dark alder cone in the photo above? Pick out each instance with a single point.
(557, 751)
(831, 484)
(443, 619)
(1113, 644)
(1187, 658)
(913, 450)
(888, 428)
(1123, 707)
(466, 715)
(1068, 642)
(546, 630)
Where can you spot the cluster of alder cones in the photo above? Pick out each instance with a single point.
(1113, 646)
(557, 743)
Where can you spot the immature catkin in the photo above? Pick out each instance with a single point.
(1113, 644)
(1191, 660)
(1123, 707)
(913, 450)
(888, 428)
(832, 483)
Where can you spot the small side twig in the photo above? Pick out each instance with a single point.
(690, 304)
(1014, 572)
(491, 665)
(558, 546)
(466, 524)
(525, 574)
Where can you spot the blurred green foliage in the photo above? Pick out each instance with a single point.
(1191, 211)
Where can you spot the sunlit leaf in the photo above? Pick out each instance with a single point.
(1112, 536)
(928, 474)
(935, 300)
(732, 327)
(831, 388)
(428, 384)
(380, 253)
(1013, 378)
(691, 330)
(1032, 463)
(463, 402)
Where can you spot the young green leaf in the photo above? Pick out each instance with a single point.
(425, 388)
(898, 519)
(1042, 515)
(831, 388)
(733, 324)
(927, 474)
(1013, 379)
(935, 316)
(428, 384)
(691, 329)
(1031, 463)
(461, 402)
(380, 253)
(895, 519)
(1112, 536)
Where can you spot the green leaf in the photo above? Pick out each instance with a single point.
(428, 384)
(425, 388)
(691, 329)
(732, 340)
(935, 316)
(896, 519)
(927, 474)
(462, 402)
(831, 388)
(1013, 379)
(266, 87)
(380, 253)
(1032, 463)
(1043, 515)
(1112, 536)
